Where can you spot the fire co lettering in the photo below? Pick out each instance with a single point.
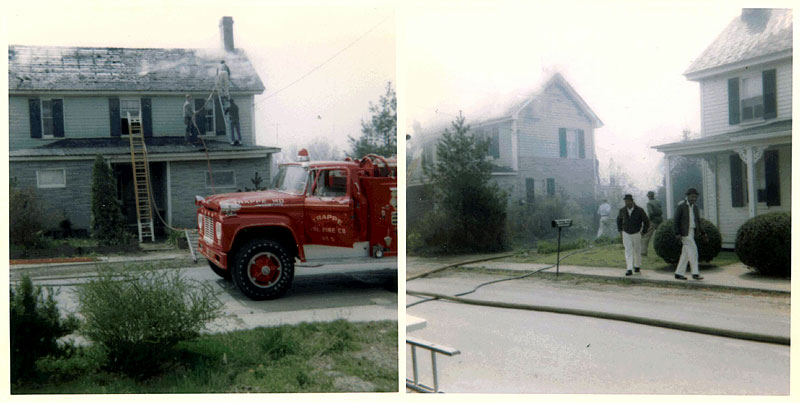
(327, 217)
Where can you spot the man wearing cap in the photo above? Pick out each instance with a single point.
(631, 223)
(687, 227)
(654, 213)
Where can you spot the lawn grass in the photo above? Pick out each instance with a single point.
(613, 255)
(310, 357)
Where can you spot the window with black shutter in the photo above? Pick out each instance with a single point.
(581, 144)
(529, 190)
(771, 171)
(494, 143)
(114, 120)
(551, 186)
(220, 121)
(737, 181)
(562, 142)
(733, 101)
(35, 114)
(770, 89)
(147, 117)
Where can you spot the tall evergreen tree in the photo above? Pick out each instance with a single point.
(379, 134)
(108, 223)
(472, 208)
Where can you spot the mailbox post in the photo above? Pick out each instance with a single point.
(560, 223)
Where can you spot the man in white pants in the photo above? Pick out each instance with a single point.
(687, 226)
(631, 223)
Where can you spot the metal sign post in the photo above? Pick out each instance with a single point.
(560, 223)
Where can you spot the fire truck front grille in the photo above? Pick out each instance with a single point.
(208, 229)
(394, 218)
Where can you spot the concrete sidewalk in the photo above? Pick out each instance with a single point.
(172, 257)
(736, 276)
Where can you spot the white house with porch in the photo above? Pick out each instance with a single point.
(745, 79)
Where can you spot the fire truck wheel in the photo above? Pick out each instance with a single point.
(226, 274)
(263, 269)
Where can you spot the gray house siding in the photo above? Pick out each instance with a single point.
(74, 201)
(88, 117)
(188, 179)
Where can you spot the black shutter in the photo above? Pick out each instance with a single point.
(772, 178)
(58, 117)
(200, 116)
(35, 113)
(581, 145)
(733, 101)
(562, 141)
(551, 186)
(737, 186)
(147, 117)
(529, 190)
(219, 118)
(770, 94)
(113, 112)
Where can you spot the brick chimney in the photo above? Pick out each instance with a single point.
(226, 33)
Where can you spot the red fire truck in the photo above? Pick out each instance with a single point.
(314, 211)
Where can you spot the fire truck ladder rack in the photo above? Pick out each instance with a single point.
(415, 384)
(141, 179)
(192, 236)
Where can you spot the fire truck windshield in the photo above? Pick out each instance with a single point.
(291, 179)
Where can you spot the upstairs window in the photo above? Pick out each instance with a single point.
(571, 143)
(126, 106)
(46, 118)
(752, 97)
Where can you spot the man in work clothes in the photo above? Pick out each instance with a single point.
(687, 226)
(655, 214)
(631, 223)
(233, 116)
(188, 119)
(604, 211)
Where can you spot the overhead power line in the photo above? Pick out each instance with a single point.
(325, 62)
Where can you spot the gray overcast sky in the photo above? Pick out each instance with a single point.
(625, 58)
(284, 40)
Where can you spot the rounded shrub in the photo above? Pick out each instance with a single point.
(764, 243)
(668, 247)
(138, 315)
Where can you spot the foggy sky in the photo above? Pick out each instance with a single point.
(626, 59)
(282, 41)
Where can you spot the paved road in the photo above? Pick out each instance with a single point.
(352, 292)
(513, 351)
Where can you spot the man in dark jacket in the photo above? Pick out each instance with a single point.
(631, 223)
(687, 227)
(233, 116)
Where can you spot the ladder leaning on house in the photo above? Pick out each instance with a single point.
(141, 179)
(223, 106)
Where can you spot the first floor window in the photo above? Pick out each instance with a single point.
(221, 179)
(51, 178)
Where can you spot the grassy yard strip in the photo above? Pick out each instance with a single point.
(614, 256)
(338, 356)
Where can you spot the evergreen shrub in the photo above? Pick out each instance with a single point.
(36, 325)
(108, 223)
(765, 243)
(669, 248)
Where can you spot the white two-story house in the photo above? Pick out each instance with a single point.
(69, 104)
(745, 79)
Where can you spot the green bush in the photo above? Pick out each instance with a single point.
(36, 325)
(669, 248)
(25, 218)
(765, 243)
(174, 238)
(139, 319)
(544, 247)
(108, 223)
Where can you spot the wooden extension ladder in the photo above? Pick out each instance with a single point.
(141, 179)
(228, 128)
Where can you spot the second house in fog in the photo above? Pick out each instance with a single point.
(540, 144)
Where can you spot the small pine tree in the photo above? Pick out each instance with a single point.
(379, 134)
(108, 223)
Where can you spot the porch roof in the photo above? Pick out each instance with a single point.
(779, 132)
(116, 146)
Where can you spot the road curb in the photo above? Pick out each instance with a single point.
(729, 333)
(39, 271)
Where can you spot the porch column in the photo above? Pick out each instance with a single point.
(710, 188)
(514, 146)
(668, 169)
(750, 156)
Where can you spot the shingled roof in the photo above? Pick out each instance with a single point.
(51, 68)
(756, 33)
